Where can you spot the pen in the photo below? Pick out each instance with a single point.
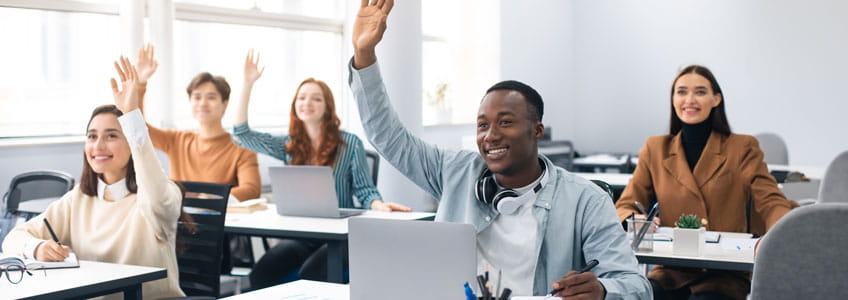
(50, 229)
(481, 281)
(640, 207)
(638, 238)
(498, 287)
(589, 266)
(505, 295)
(469, 294)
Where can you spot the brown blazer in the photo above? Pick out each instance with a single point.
(730, 171)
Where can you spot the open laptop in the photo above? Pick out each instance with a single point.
(410, 260)
(307, 191)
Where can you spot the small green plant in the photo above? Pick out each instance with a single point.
(688, 221)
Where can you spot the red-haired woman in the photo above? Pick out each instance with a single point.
(314, 139)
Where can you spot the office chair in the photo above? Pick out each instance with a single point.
(606, 187)
(803, 255)
(561, 153)
(834, 185)
(373, 163)
(774, 148)
(41, 185)
(200, 259)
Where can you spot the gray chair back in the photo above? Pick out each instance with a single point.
(561, 153)
(42, 185)
(803, 255)
(774, 148)
(834, 185)
(373, 164)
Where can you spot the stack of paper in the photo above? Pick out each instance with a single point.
(249, 206)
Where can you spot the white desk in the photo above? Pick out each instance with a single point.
(618, 180)
(91, 279)
(714, 256)
(267, 223)
(36, 206)
(299, 290)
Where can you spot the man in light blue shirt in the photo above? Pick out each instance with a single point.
(535, 221)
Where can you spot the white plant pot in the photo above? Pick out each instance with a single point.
(688, 242)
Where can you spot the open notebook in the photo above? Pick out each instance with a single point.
(70, 262)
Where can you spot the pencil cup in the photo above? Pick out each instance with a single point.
(633, 228)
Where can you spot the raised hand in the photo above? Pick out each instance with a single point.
(146, 63)
(368, 30)
(251, 67)
(126, 99)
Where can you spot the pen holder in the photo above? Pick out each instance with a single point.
(633, 228)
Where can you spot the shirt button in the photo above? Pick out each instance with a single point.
(488, 218)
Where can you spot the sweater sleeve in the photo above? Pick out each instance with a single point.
(24, 238)
(159, 199)
(767, 198)
(248, 184)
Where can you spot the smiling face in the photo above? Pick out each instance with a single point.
(207, 105)
(310, 105)
(694, 98)
(106, 148)
(506, 135)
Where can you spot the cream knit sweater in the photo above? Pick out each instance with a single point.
(139, 229)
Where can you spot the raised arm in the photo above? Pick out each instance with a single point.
(157, 197)
(420, 162)
(252, 72)
(368, 31)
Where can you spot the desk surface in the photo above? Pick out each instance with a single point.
(614, 179)
(89, 280)
(299, 290)
(266, 222)
(714, 257)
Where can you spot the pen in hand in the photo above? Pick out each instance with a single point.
(52, 234)
(587, 268)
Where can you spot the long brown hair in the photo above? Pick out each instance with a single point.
(717, 118)
(299, 145)
(88, 179)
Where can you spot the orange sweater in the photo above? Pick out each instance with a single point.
(216, 160)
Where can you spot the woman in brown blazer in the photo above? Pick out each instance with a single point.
(702, 168)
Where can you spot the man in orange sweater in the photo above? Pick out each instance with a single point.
(207, 155)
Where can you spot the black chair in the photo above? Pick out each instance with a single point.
(201, 252)
(561, 153)
(373, 163)
(42, 185)
(606, 187)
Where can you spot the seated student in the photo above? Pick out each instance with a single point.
(209, 154)
(314, 139)
(553, 223)
(702, 168)
(124, 209)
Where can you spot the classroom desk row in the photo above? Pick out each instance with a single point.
(267, 223)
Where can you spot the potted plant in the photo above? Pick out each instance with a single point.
(688, 236)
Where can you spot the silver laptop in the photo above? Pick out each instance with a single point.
(307, 191)
(410, 260)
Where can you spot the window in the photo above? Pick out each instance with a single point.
(290, 56)
(56, 69)
(460, 58)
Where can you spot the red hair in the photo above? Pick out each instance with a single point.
(299, 145)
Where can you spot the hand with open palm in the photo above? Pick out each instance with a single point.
(126, 99)
(147, 64)
(368, 30)
(252, 72)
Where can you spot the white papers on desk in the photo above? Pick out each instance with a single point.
(667, 234)
(602, 159)
(737, 244)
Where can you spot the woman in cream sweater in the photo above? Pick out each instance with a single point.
(124, 210)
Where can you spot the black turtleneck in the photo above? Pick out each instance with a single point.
(694, 140)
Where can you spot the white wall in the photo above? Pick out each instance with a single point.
(537, 48)
(781, 64)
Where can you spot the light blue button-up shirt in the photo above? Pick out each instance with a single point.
(576, 220)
